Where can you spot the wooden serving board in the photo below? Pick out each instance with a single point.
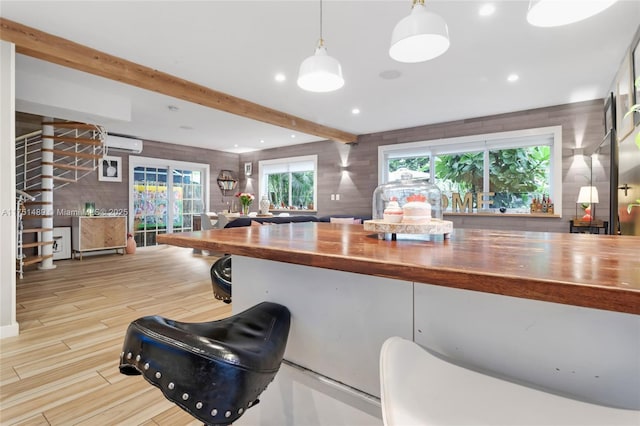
(390, 231)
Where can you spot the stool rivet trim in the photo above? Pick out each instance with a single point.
(158, 374)
(249, 404)
(129, 355)
(198, 405)
(171, 385)
(138, 358)
(121, 354)
(214, 412)
(240, 411)
(227, 414)
(185, 396)
(146, 366)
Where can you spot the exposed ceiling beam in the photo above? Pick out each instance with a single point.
(35, 43)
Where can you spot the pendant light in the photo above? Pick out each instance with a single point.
(419, 37)
(553, 13)
(320, 72)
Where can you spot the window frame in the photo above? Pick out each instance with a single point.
(288, 161)
(484, 143)
(170, 165)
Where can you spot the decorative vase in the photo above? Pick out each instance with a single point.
(264, 205)
(245, 209)
(89, 209)
(131, 245)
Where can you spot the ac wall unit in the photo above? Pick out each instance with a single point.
(118, 143)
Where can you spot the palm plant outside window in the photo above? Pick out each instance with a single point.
(289, 183)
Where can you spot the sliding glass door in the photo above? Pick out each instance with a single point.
(165, 196)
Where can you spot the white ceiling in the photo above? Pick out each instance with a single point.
(237, 47)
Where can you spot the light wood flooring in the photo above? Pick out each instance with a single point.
(63, 367)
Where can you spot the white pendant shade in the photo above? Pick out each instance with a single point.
(419, 37)
(553, 13)
(320, 72)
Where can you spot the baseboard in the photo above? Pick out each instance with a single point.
(9, 330)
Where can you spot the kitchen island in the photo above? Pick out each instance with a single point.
(554, 311)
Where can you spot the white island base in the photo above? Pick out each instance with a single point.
(302, 398)
(341, 319)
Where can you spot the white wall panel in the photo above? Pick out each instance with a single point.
(339, 320)
(591, 354)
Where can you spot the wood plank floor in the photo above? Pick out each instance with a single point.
(63, 367)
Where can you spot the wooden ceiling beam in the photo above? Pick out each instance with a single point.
(38, 44)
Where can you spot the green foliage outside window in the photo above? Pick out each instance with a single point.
(278, 186)
(302, 189)
(460, 172)
(515, 175)
(291, 189)
(418, 164)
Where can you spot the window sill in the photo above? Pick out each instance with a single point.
(492, 214)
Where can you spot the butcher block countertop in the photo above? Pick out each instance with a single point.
(594, 271)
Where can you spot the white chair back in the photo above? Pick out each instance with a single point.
(206, 222)
(420, 388)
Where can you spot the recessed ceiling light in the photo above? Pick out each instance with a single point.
(185, 127)
(390, 74)
(280, 77)
(487, 9)
(355, 111)
(293, 136)
(173, 108)
(261, 140)
(513, 77)
(235, 145)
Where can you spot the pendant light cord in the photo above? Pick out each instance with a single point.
(321, 40)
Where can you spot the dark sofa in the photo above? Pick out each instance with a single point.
(246, 221)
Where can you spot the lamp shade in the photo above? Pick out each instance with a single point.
(588, 195)
(320, 72)
(419, 37)
(553, 13)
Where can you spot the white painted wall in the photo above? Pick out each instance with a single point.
(8, 324)
(48, 96)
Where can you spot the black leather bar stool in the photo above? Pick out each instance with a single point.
(221, 278)
(213, 370)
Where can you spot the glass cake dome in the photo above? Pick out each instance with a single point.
(411, 195)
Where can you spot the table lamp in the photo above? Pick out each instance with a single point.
(588, 195)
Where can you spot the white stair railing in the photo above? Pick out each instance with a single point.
(21, 196)
(72, 151)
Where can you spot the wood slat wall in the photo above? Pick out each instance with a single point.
(63, 367)
(581, 121)
(115, 195)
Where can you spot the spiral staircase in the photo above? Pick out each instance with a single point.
(60, 154)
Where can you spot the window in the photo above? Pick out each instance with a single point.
(486, 172)
(290, 183)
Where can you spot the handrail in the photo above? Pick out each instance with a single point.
(29, 135)
(25, 195)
